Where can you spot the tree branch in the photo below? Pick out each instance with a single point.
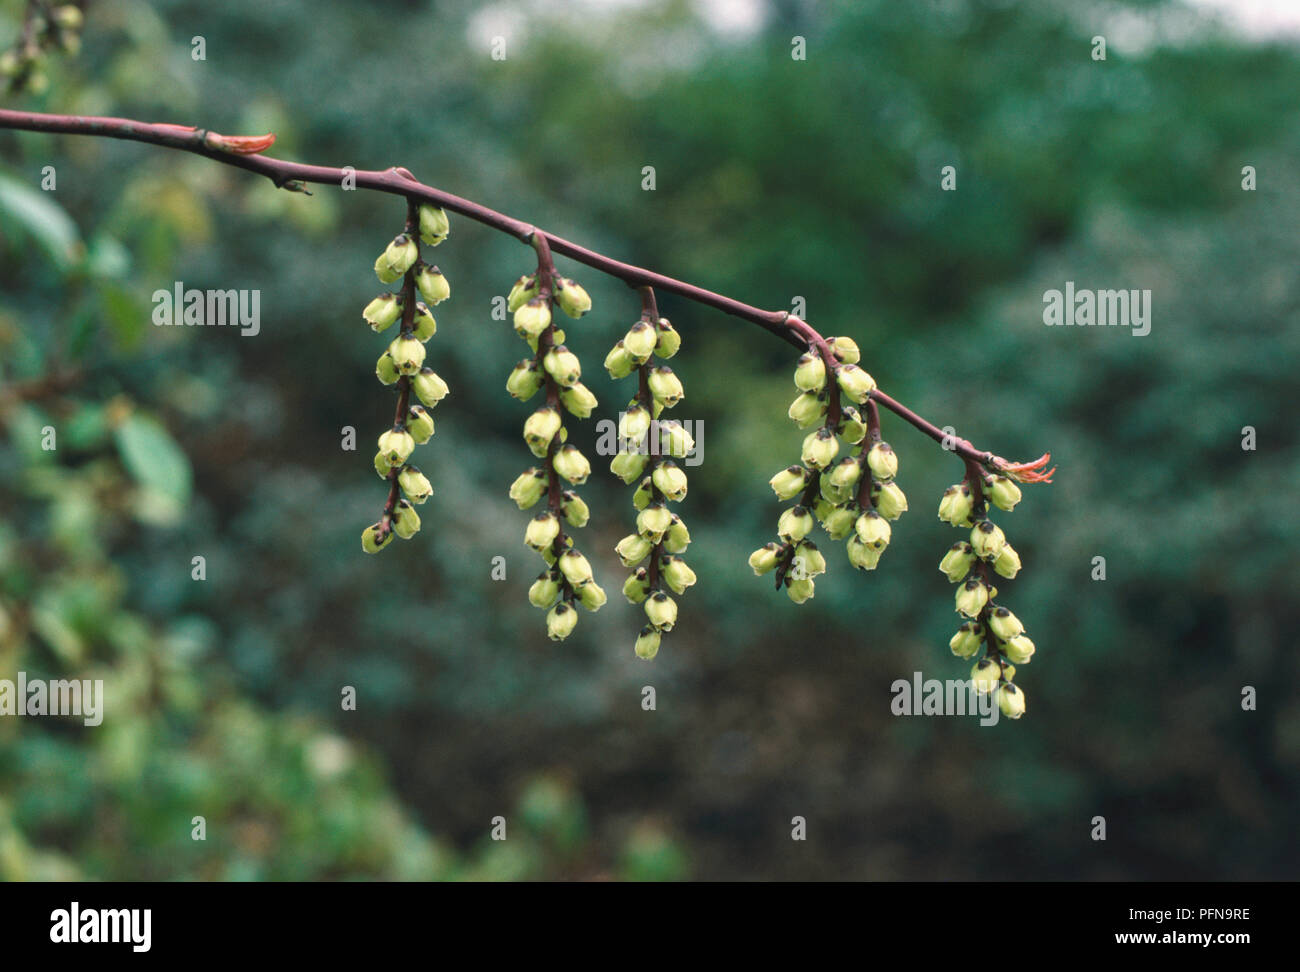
(244, 152)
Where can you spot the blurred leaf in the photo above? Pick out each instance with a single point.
(36, 213)
(128, 316)
(153, 458)
(107, 258)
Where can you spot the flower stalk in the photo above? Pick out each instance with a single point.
(854, 496)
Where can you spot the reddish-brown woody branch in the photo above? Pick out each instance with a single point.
(244, 152)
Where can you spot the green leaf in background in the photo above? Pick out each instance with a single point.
(41, 218)
(127, 315)
(107, 258)
(157, 463)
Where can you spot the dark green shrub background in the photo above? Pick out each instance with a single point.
(775, 178)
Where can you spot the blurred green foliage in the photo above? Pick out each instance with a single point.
(775, 178)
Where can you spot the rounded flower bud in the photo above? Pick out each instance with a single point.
(396, 259)
(800, 589)
(633, 549)
(423, 326)
(640, 341)
(855, 382)
(845, 473)
(966, 642)
(575, 568)
(407, 353)
(396, 445)
(528, 488)
(654, 521)
(832, 494)
(645, 492)
(845, 350)
(542, 530)
(540, 428)
(533, 318)
(807, 409)
(957, 505)
(883, 461)
(574, 510)
(789, 482)
(810, 373)
(434, 225)
(665, 386)
(578, 399)
(383, 312)
(678, 538)
(957, 562)
(971, 597)
(562, 365)
(406, 522)
(431, 284)
(375, 538)
(560, 621)
(1004, 493)
(647, 643)
(795, 523)
(987, 539)
(985, 675)
(1007, 562)
(524, 290)
(419, 423)
(839, 521)
(890, 500)
(1004, 624)
(668, 341)
(428, 387)
(1011, 701)
(765, 558)
(619, 363)
(628, 466)
(573, 300)
(1019, 649)
(544, 590)
(636, 588)
(863, 556)
(69, 17)
(677, 574)
(524, 381)
(822, 508)
(670, 480)
(674, 440)
(414, 484)
(661, 610)
(851, 428)
(572, 465)
(382, 465)
(386, 369)
(808, 560)
(820, 448)
(634, 423)
(591, 596)
(873, 529)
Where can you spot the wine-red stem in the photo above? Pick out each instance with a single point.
(975, 478)
(807, 500)
(244, 152)
(404, 382)
(650, 314)
(545, 341)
